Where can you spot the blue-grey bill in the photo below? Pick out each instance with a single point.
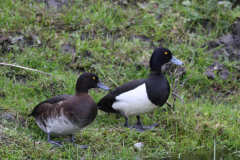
(176, 61)
(102, 86)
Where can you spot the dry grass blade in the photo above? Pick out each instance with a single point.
(175, 88)
(13, 65)
(112, 81)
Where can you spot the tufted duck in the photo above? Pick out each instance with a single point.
(67, 114)
(141, 96)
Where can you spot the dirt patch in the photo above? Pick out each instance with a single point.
(80, 62)
(231, 42)
(87, 36)
(2, 95)
(217, 69)
(235, 3)
(20, 79)
(15, 42)
(141, 38)
(127, 2)
(12, 117)
(5, 140)
(16, 77)
(55, 3)
(8, 116)
(225, 48)
(5, 44)
(148, 40)
(76, 67)
(206, 25)
(67, 48)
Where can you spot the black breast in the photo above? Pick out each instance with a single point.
(158, 89)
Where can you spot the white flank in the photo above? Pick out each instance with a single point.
(59, 103)
(58, 125)
(134, 102)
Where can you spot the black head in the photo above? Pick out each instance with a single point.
(87, 81)
(161, 56)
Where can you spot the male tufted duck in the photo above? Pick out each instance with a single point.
(141, 96)
(67, 114)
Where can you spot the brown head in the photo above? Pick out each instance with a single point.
(87, 81)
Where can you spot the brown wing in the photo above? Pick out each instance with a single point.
(53, 100)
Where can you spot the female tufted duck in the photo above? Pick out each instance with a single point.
(67, 114)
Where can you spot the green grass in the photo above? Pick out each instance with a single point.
(117, 57)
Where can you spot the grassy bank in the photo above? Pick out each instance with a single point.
(115, 39)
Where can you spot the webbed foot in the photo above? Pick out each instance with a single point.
(56, 143)
(141, 128)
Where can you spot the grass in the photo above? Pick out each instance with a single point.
(115, 40)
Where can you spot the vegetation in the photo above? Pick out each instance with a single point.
(115, 39)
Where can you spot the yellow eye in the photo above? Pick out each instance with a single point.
(166, 53)
(94, 78)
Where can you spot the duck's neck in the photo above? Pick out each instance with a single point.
(81, 91)
(154, 72)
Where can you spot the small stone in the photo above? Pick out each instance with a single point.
(227, 40)
(226, 4)
(209, 74)
(138, 145)
(225, 74)
(67, 48)
(8, 116)
(216, 66)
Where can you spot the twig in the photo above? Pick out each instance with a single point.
(112, 81)
(225, 52)
(175, 88)
(235, 152)
(183, 83)
(108, 77)
(236, 67)
(178, 97)
(13, 65)
(186, 80)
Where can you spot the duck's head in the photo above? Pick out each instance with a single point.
(87, 81)
(161, 56)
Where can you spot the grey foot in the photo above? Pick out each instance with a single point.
(82, 146)
(56, 143)
(72, 140)
(138, 128)
(142, 128)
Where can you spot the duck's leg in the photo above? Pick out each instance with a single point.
(72, 140)
(141, 128)
(138, 126)
(58, 143)
(126, 122)
(139, 122)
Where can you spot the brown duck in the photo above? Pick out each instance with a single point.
(67, 114)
